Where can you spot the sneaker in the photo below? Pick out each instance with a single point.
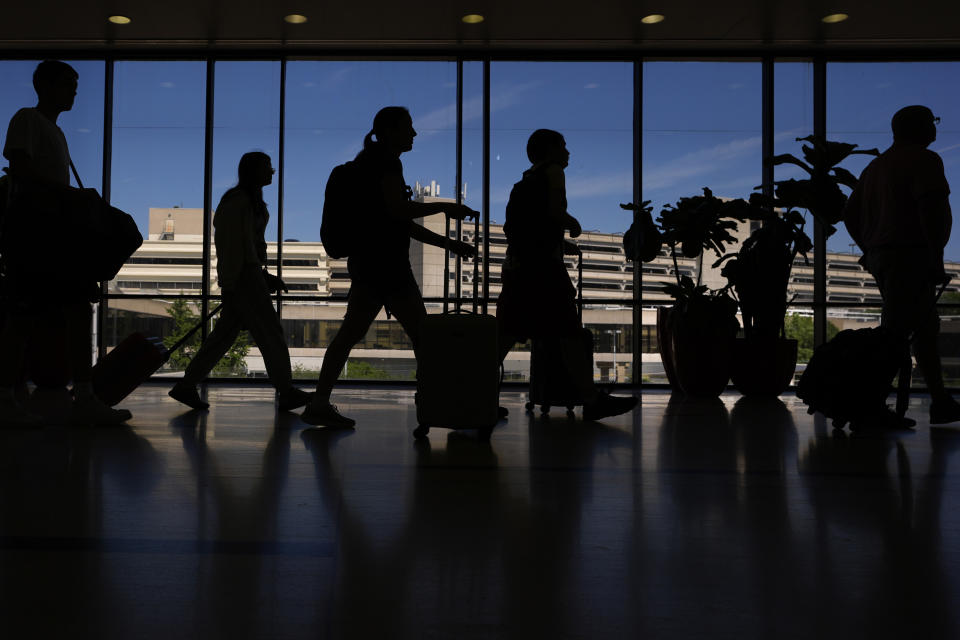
(188, 395)
(944, 411)
(90, 411)
(607, 405)
(14, 416)
(294, 398)
(326, 415)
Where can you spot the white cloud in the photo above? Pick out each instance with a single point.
(445, 117)
(699, 163)
(596, 186)
(950, 148)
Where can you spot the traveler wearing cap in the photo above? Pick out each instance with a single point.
(899, 215)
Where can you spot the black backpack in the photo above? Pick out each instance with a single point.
(849, 378)
(342, 206)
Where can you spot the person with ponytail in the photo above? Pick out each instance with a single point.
(239, 225)
(379, 266)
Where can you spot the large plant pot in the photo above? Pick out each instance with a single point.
(696, 351)
(763, 367)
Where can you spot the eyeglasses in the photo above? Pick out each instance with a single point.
(936, 119)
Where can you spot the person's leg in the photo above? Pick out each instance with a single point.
(218, 342)
(363, 305)
(12, 346)
(87, 408)
(943, 408)
(362, 310)
(908, 309)
(573, 354)
(408, 308)
(259, 316)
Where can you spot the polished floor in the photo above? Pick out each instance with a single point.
(726, 519)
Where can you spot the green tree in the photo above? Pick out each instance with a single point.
(232, 364)
(359, 370)
(800, 328)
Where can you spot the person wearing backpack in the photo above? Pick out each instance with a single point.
(538, 300)
(39, 189)
(239, 225)
(899, 215)
(377, 243)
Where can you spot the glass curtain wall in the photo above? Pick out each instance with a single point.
(701, 128)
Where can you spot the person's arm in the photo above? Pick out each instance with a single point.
(234, 238)
(932, 193)
(572, 225)
(398, 205)
(852, 215)
(457, 247)
(937, 219)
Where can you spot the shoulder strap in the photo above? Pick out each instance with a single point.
(75, 174)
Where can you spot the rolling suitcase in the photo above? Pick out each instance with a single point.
(551, 385)
(458, 373)
(132, 361)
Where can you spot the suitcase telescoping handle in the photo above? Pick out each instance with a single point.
(189, 334)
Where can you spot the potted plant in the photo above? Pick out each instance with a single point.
(696, 334)
(759, 273)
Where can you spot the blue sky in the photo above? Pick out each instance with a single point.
(701, 126)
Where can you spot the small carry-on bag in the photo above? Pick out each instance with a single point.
(849, 378)
(551, 384)
(458, 373)
(132, 361)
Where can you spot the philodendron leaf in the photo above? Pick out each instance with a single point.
(788, 158)
(844, 177)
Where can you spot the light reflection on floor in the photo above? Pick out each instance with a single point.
(731, 518)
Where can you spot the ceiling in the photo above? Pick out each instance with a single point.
(548, 25)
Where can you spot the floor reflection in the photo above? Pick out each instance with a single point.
(729, 517)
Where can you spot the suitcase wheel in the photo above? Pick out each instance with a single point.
(421, 432)
(529, 407)
(545, 409)
(570, 413)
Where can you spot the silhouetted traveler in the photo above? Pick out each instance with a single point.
(379, 264)
(899, 215)
(40, 184)
(239, 224)
(538, 300)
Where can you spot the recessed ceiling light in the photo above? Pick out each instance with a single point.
(119, 19)
(834, 18)
(295, 18)
(472, 18)
(653, 18)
